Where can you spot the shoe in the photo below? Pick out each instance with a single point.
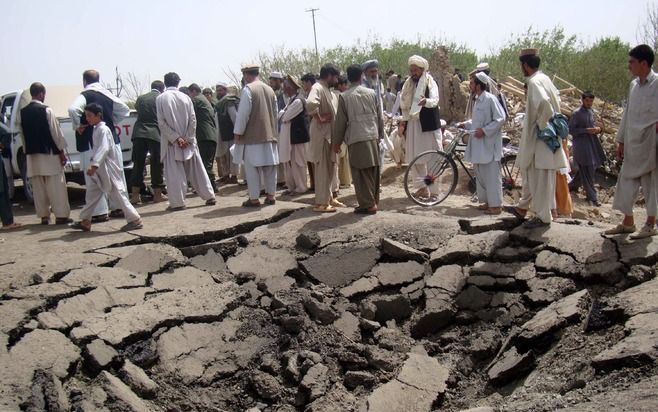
(100, 218)
(134, 225)
(116, 213)
(364, 211)
(176, 209)
(45, 221)
(324, 209)
(80, 226)
(535, 223)
(493, 211)
(621, 229)
(269, 201)
(646, 231)
(135, 196)
(211, 202)
(595, 203)
(483, 207)
(63, 220)
(249, 203)
(336, 203)
(158, 196)
(514, 211)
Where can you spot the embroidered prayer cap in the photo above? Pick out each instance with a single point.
(294, 80)
(529, 52)
(482, 76)
(419, 61)
(221, 84)
(276, 75)
(370, 64)
(249, 66)
(482, 67)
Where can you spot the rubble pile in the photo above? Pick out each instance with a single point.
(392, 312)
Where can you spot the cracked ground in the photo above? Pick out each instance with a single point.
(280, 309)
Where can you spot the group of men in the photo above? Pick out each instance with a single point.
(301, 126)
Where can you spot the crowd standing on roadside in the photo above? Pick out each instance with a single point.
(326, 132)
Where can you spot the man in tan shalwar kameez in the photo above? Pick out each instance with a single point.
(321, 105)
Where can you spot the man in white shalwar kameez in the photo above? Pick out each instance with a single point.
(636, 146)
(94, 92)
(538, 163)
(294, 137)
(44, 144)
(106, 174)
(485, 147)
(419, 90)
(256, 135)
(178, 146)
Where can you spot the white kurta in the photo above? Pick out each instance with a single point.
(176, 119)
(292, 156)
(418, 141)
(108, 178)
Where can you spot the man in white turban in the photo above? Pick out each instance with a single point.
(420, 125)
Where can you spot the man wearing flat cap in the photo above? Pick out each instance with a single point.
(419, 92)
(485, 148)
(492, 88)
(256, 135)
(538, 162)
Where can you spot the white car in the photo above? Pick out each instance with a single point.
(59, 102)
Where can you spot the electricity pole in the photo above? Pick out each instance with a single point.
(315, 36)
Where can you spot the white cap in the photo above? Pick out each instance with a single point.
(482, 77)
(276, 75)
(482, 67)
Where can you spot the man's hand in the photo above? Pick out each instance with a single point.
(237, 137)
(336, 148)
(479, 132)
(593, 130)
(323, 117)
(620, 151)
(182, 143)
(62, 158)
(460, 125)
(92, 170)
(402, 129)
(81, 128)
(422, 101)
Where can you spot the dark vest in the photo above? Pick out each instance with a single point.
(83, 142)
(430, 119)
(36, 131)
(225, 122)
(299, 127)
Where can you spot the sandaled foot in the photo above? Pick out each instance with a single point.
(517, 212)
(483, 207)
(270, 201)
(100, 218)
(493, 211)
(84, 226)
(250, 203)
(535, 223)
(336, 203)
(646, 231)
(211, 202)
(12, 226)
(134, 225)
(365, 210)
(621, 229)
(324, 209)
(175, 208)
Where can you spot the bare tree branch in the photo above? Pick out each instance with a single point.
(647, 31)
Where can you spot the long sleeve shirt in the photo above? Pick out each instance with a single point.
(637, 130)
(40, 164)
(176, 118)
(119, 109)
(104, 157)
(584, 151)
(489, 116)
(244, 111)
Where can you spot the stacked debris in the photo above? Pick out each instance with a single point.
(607, 114)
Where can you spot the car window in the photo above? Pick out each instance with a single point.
(5, 112)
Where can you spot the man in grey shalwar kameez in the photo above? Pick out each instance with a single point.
(485, 147)
(636, 145)
(178, 146)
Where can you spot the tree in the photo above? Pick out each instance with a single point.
(647, 31)
(134, 85)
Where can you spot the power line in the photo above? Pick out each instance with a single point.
(315, 36)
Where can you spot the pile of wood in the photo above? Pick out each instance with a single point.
(607, 115)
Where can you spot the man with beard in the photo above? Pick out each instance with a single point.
(206, 131)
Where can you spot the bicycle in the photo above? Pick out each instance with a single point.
(442, 175)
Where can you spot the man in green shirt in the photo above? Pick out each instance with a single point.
(146, 139)
(206, 130)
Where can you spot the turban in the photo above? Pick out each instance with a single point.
(416, 60)
(369, 64)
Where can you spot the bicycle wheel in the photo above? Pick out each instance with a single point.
(436, 181)
(511, 173)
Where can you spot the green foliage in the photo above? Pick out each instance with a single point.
(600, 66)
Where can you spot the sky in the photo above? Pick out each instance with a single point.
(55, 41)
